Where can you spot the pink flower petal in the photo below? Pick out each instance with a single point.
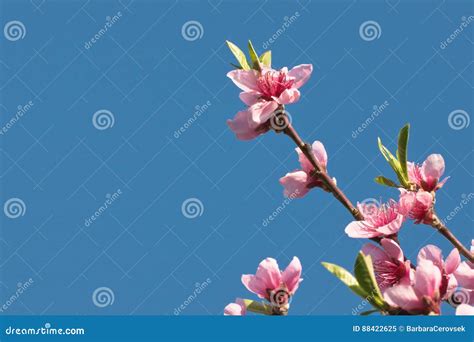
(427, 278)
(403, 296)
(452, 261)
(406, 201)
(377, 254)
(235, 309)
(269, 272)
(451, 287)
(361, 229)
(240, 125)
(289, 96)
(392, 227)
(465, 275)
(295, 184)
(244, 79)
(255, 285)
(291, 275)
(301, 73)
(433, 167)
(261, 112)
(393, 249)
(319, 153)
(250, 97)
(431, 253)
(465, 310)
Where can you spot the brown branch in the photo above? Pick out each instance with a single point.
(443, 230)
(283, 124)
(318, 169)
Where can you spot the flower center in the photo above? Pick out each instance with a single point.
(382, 215)
(273, 83)
(387, 273)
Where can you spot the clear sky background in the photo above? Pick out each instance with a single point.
(148, 77)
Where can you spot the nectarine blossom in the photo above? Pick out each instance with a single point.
(418, 205)
(465, 277)
(465, 273)
(299, 182)
(235, 309)
(422, 296)
(271, 283)
(390, 266)
(465, 310)
(384, 220)
(446, 267)
(427, 175)
(263, 92)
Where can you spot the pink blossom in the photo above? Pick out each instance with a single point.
(389, 263)
(422, 296)
(263, 92)
(417, 205)
(382, 220)
(465, 310)
(465, 273)
(298, 183)
(235, 309)
(427, 175)
(271, 283)
(447, 267)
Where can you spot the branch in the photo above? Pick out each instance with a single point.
(443, 230)
(319, 171)
(283, 124)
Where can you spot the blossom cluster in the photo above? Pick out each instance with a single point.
(269, 283)
(400, 286)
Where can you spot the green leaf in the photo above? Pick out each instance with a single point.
(266, 58)
(254, 57)
(402, 150)
(239, 55)
(236, 66)
(365, 276)
(385, 181)
(392, 161)
(346, 277)
(369, 312)
(257, 307)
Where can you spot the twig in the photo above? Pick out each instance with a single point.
(443, 230)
